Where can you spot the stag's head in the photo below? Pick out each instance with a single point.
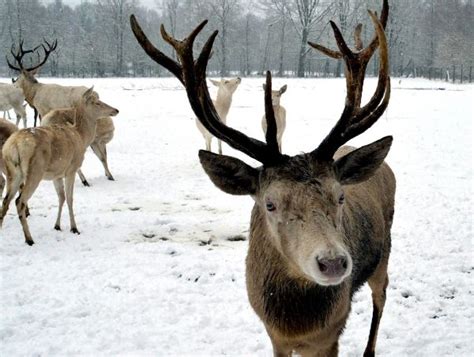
(27, 73)
(299, 200)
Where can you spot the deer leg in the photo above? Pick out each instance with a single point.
(20, 114)
(31, 183)
(59, 186)
(83, 178)
(378, 284)
(208, 143)
(13, 185)
(219, 143)
(101, 151)
(36, 116)
(69, 199)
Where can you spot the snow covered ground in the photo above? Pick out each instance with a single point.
(156, 269)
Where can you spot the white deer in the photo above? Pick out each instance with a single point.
(11, 97)
(280, 114)
(226, 88)
(52, 152)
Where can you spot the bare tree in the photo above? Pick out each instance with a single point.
(304, 15)
(224, 12)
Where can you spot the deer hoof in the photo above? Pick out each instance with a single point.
(75, 231)
(57, 227)
(111, 178)
(85, 183)
(29, 242)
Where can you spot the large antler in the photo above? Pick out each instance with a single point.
(355, 119)
(192, 74)
(18, 55)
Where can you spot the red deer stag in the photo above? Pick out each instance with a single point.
(320, 227)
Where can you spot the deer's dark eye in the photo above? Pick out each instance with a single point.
(270, 206)
(341, 199)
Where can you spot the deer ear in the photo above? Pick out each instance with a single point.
(88, 93)
(216, 83)
(229, 174)
(359, 165)
(283, 89)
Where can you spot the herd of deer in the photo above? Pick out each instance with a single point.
(320, 226)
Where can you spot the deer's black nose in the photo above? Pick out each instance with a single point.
(332, 267)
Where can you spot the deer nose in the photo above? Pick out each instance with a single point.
(332, 267)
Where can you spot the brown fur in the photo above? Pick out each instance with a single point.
(103, 135)
(301, 311)
(299, 314)
(53, 152)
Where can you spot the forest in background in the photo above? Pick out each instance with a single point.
(427, 38)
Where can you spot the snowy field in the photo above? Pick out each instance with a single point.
(159, 268)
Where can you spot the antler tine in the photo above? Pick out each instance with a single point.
(18, 55)
(326, 51)
(271, 134)
(192, 75)
(152, 52)
(383, 84)
(383, 20)
(355, 120)
(47, 52)
(205, 55)
(341, 43)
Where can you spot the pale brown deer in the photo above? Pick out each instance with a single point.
(320, 226)
(222, 103)
(280, 114)
(53, 152)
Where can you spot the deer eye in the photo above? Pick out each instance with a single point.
(270, 206)
(341, 199)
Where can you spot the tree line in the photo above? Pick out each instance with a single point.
(426, 37)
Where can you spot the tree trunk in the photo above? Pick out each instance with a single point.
(302, 54)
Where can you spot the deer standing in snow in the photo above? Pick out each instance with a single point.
(11, 97)
(226, 88)
(53, 152)
(320, 226)
(280, 114)
(46, 97)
